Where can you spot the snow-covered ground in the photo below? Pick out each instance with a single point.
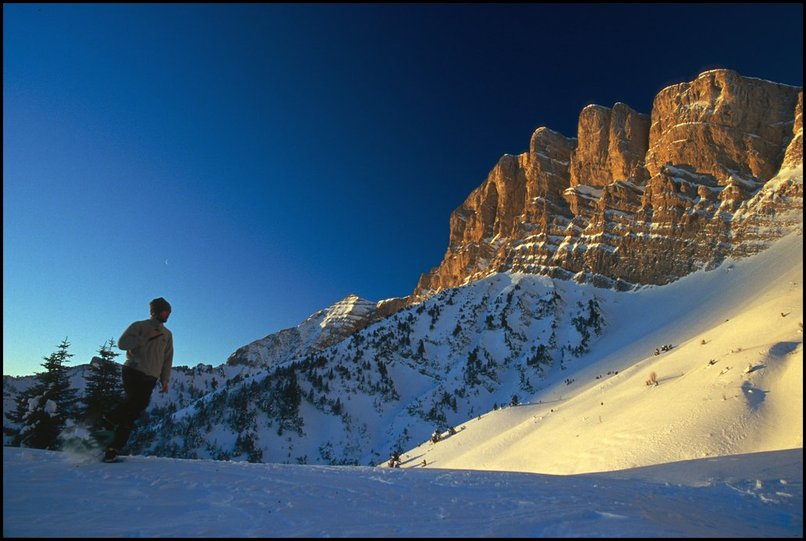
(731, 384)
(715, 449)
(48, 494)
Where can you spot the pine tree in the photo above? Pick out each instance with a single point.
(288, 398)
(17, 417)
(421, 350)
(51, 403)
(103, 385)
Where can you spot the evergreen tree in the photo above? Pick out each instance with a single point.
(104, 387)
(51, 403)
(17, 417)
(421, 350)
(291, 394)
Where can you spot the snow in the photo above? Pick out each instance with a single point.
(350, 309)
(49, 494)
(585, 191)
(748, 312)
(785, 175)
(50, 407)
(712, 450)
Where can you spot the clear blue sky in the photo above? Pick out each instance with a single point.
(256, 163)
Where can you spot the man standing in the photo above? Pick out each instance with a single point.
(149, 349)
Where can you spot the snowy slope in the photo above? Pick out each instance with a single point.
(458, 354)
(320, 330)
(52, 494)
(462, 353)
(732, 383)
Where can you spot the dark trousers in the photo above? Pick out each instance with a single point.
(138, 388)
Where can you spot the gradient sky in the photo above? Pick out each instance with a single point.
(256, 163)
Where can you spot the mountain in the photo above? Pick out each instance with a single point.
(639, 199)
(565, 270)
(731, 384)
(575, 357)
(456, 355)
(322, 329)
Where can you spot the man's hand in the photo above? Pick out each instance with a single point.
(164, 386)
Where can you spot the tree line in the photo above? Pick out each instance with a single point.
(44, 412)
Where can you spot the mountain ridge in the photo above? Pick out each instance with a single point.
(538, 257)
(634, 199)
(470, 349)
(731, 382)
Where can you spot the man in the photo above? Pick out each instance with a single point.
(149, 356)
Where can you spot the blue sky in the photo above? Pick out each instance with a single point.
(256, 163)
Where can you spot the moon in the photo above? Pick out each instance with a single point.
(166, 262)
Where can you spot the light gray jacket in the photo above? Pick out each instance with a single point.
(151, 356)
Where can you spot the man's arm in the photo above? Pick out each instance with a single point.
(165, 375)
(131, 338)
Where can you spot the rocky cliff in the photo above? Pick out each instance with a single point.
(714, 171)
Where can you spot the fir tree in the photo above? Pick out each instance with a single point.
(103, 385)
(51, 403)
(421, 350)
(17, 416)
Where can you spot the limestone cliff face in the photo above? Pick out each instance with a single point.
(612, 146)
(793, 157)
(778, 207)
(522, 197)
(723, 125)
(714, 171)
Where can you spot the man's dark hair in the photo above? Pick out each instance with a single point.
(160, 305)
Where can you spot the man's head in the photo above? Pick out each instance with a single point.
(160, 309)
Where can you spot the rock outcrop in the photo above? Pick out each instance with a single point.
(714, 171)
(730, 127)
(612, 146)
